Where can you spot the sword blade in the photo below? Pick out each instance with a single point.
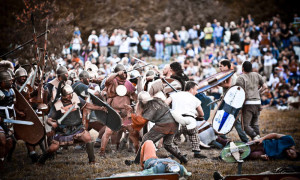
(18, 122)
(65, 115)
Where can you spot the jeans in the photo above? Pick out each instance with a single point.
(159, 50)
(285, 43)
(217, 40)
(182, 44)
(176, 49)
(208, 42)
(168, 51)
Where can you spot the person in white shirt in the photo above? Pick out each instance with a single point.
(93, 40)
(76, 44)
(294, 100)
(188, 108)
(133, 43)
(159, 45)
(124, 46)
(242, 56)
(268, 64)
(112, 42)
(184, 36)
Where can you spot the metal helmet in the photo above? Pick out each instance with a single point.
(11, 72)
(134, 74)
(67, 89)
(150, 73)
(5, 76)
(20, 72)
(61, 70)
(144, 97)
(84, 74)
(137, 66)
(119, 67)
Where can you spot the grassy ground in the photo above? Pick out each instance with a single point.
(72, 164)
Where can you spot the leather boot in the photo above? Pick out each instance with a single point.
(34, 157)
(44, 158)
(90, 152)
(123, 144)
(177, 154)
(183, 159)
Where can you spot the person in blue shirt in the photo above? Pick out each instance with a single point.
(274, 146)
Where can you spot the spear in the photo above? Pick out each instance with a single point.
(169, 84)
(34, 39)
(24, 44)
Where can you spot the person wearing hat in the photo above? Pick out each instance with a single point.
(69, 124)
(81, 86)
(119, 92)
(7, 111)
(20, 79)
(158, 112)
(61, 76)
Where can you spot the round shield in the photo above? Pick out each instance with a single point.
(121, 90)
(243, 149)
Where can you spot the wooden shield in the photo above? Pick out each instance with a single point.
(30, 134)
(228, 110)
(112, 119)
(214, 80)
(244, 150)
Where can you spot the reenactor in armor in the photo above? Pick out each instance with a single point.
(61, 76)
(20, 79)
(7, 111)
(81, 88)
(120, 92)
(70, 126)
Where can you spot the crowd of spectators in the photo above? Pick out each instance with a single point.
(272, 46)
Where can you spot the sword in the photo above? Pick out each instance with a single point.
(24, 85)
(18, 122)
(65, 115)
(213, 102)
(139, 60)
(140, 67)
(242, 145)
